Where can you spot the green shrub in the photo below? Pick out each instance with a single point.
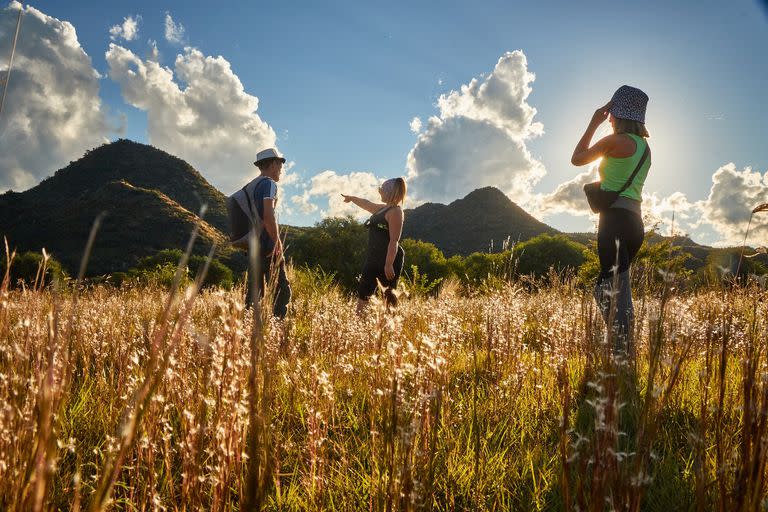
(218, 275)
(156, 269)
(429, 260)
(656, 260)
(312, 281)
(419, 284)
(162, 257)
(537, 255)
(336, 245)
(161, 275)
(722, 264)
(483, 271)
(25, 268)
(590, 269)
(118, 279)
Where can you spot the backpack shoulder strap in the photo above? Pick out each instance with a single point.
(256, 182)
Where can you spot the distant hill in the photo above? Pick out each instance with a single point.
(482, 220)
(151, 199)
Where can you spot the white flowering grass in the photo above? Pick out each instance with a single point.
(505, 401)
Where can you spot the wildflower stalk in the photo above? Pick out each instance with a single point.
(760, 208)
(53, 389)
(255, 476)
(164, 340)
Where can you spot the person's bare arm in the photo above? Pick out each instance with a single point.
(583, 153)
(395, 221)
(271, 227)
(363, 203)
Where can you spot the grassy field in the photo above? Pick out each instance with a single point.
(145, 399)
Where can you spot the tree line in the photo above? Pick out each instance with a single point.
(335, 248)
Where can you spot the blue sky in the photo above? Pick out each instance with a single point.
(340, 82)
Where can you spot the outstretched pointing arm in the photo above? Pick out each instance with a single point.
(363, 203)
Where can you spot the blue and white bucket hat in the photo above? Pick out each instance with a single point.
(629, 103)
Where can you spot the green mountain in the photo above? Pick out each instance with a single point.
(150, 198)
(484, 220)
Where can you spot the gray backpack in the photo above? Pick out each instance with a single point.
(243, 215)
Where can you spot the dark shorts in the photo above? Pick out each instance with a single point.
(373, 273)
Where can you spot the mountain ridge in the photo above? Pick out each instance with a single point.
(129, 161)
(453, 227)
(152, 199)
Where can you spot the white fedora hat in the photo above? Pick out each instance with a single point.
(267, 154)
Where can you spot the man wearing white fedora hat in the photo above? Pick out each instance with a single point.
(254, 205)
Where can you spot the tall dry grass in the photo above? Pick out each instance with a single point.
(146, 399)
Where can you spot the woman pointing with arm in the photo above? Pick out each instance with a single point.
(385, 257)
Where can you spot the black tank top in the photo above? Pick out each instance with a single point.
(378, 236)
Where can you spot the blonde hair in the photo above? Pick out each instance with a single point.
(630, 126)
(394, 190)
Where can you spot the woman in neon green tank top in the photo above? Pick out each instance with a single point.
(620, 229)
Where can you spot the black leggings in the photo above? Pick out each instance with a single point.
(626, 227)
(619, 237)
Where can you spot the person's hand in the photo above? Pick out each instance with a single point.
(389, 271)
(601, 114)
(346, 198)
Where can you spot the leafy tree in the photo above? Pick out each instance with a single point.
(335, 245)
(161, 267)
(218, 275)
(26, 266)
(480, 268)
(428, 259)
(163, 257)
(537, 255)
(590, 268)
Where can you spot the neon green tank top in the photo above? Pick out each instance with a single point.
(615, 171)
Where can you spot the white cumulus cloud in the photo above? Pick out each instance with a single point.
(174, 32)
(330, 185)
(52, 112)
(415, 125)
(725, 211)
(304, 202)
(127, 30)
(569, 196)
(211, 122)
(733, 195)
(153, 53)
(479, 138)
(662, 211)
